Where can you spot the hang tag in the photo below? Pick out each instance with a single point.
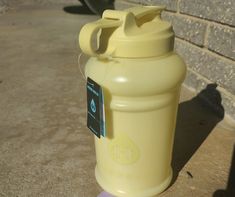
(95, 108)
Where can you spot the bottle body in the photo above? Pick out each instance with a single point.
(141, 98)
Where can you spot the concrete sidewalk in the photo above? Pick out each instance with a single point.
(45, 147)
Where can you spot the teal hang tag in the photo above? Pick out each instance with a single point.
(95, 108)
(102, 115)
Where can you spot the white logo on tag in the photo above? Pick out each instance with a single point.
(92, 105)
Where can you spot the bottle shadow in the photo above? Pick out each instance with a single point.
(196, 119)
(230, 190)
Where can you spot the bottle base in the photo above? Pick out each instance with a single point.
(150, 192)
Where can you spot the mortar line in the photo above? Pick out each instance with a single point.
(170, 11)
(227, 116)
(223, 90)
(209, 20)
(205, 42)
(224, 93)
(178, 7)
(208, 51)
(136, 3)
(127, 2)
(200, 76)
(202, 20)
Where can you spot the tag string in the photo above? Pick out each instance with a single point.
(79, 65)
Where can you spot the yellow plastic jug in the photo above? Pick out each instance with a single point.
(140, 74)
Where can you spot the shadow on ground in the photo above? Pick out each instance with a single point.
(196, 119)
(78, 9)
(230, 190)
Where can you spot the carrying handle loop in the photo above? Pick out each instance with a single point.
(90, 31)
(112, 19)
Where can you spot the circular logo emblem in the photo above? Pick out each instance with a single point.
(123, 150)
(92, 106)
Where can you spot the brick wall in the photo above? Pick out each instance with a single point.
(205, 38)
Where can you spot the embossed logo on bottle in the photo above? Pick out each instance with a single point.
(123, 150)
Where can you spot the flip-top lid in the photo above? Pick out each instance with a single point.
(133, 33)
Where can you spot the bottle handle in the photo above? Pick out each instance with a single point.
(90, 31)
(112, 19)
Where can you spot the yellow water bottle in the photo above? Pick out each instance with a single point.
(140, 76)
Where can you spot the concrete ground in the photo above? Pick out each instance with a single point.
(45, 147)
